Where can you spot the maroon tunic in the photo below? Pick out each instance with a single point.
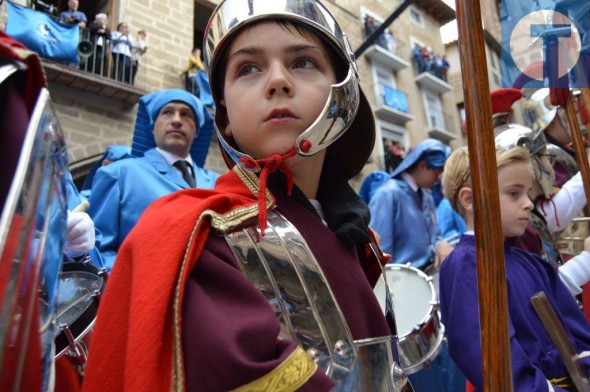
(230, 332)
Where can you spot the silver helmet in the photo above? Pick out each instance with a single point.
(509, 135)
(512, 135)
(346, 123)
(538, 110)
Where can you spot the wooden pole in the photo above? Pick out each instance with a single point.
(493, 301)
(586, 104)
(578, 142)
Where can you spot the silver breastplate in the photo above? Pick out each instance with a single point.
(281, 265)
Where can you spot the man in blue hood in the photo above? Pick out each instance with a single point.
(170, 144)
(404, 215)
(403, 211)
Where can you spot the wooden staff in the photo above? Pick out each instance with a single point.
(556, 331)
(578, 141)
(586, 104)
(493, 299)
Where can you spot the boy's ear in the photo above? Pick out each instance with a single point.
(465, 198)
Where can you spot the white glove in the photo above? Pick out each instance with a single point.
(80, 235)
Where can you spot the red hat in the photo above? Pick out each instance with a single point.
(503, 99)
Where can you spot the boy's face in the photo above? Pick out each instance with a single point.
(277, 82)
(514, 182)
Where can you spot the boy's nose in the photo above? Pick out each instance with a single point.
(278, 82)
(528, 204)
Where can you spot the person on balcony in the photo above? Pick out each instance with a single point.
(72, 15)
(100, 35)
(122, 44)
(137, 51)
(390, 40)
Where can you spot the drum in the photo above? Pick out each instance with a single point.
(79, 290)
(417, 314)
(32, 231)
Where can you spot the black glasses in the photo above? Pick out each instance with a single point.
(552, 157)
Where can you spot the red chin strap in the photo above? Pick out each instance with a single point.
(269, 165)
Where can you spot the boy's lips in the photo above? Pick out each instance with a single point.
(279, 114)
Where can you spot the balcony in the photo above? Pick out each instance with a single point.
(82, 58)
(387, 58)
(432, 82)
(437, 122)
(392, 105)
(78, 79)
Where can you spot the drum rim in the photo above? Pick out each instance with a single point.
(79, 328)
(432, 317)
(84, 323)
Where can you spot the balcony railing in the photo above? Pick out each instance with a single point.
(440, 124)
(392, 105)
(97, 56)
(95, 50)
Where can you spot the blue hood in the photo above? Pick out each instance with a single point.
(433, 151)
(148, 110)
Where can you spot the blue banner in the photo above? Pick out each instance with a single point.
(395, 99)
(204, 89)
(42, 34)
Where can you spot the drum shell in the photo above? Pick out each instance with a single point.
(421, 339)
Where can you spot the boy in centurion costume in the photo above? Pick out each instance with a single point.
(263, 283)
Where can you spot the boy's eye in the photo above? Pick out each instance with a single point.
(306, 63)
(515, 194)
(246, 69)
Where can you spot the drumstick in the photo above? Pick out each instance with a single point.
(82, 207)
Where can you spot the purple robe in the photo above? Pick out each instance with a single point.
(535, 359)
(230, 332)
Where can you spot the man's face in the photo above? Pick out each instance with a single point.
(425, 176)
(73, 5)
(175, 128)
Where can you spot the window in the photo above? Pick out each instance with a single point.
(384, 79)
(394, 140)
(416, 17)
(434, 112)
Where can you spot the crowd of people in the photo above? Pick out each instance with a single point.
(426, 61)
(386, 39)
(263, 277)
(97, 41)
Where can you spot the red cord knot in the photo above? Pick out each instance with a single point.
(305, 145)
(270, 165)
(248, 162)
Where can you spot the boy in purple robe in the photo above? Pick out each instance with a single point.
(536, 362)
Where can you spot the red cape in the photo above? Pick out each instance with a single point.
(136, 343)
